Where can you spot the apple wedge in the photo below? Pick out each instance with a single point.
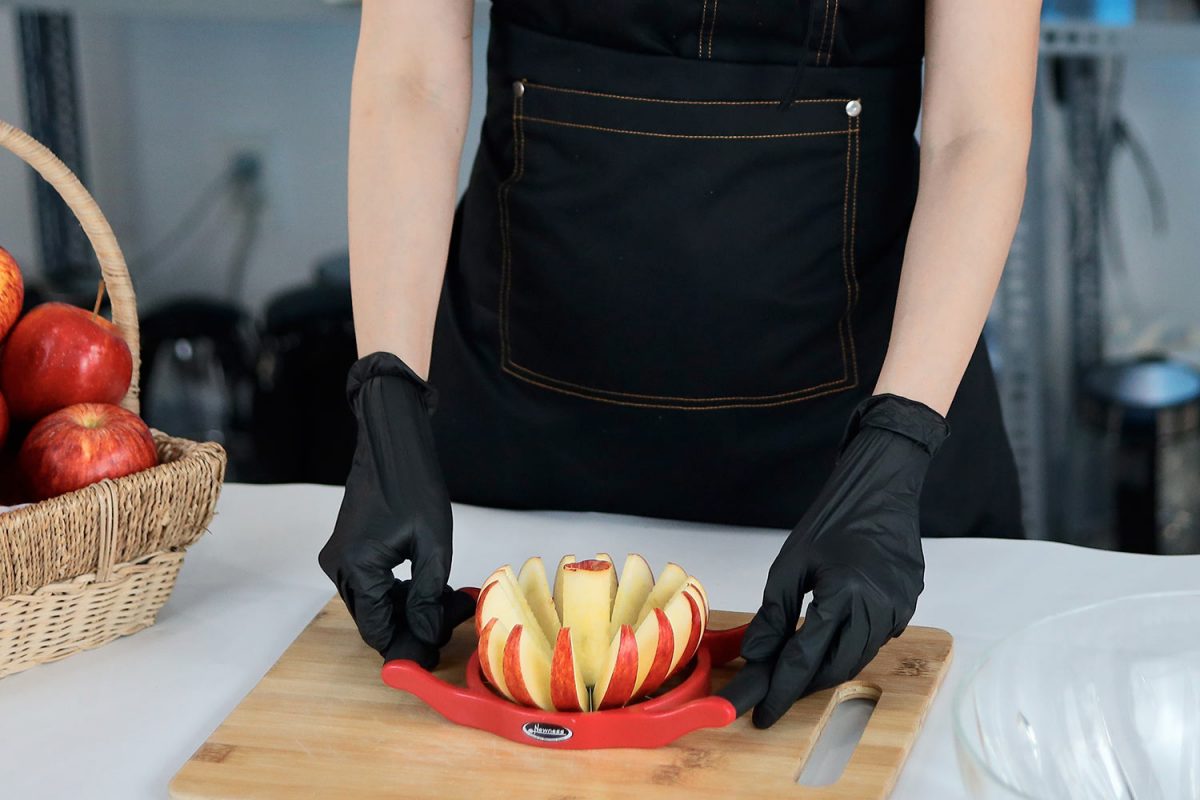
(532, 581)
(491, 654)
(502, 598)
(656, 648)
(558, 583)
(527, 668)
(587, 608)
(637, 579)
(567, 690)
(683, 614)
(612, 581)
(620, 672)
(670, 580)
(700, 591)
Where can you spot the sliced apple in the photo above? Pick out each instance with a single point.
(567, 690)
(699, 587)
(506, 602)
(491, 654)
(480, 620)
(527, 668)
(656, 648)
(558, 583)
(612, 581)
(532, 582)
(637, 579)
(587, 608)
(670, 580)
(620, 672)
(683, 615)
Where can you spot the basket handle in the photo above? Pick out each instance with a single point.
(99, 233)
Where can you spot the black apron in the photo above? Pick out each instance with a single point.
(667, 290)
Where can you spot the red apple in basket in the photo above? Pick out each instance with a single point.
(59, 355)
(83, 444)
(12, 292)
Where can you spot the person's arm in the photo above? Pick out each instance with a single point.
(858, 547)
(411, 96)
(410, 101)
(980, 64)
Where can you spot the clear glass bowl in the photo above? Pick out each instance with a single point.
(1100, 703)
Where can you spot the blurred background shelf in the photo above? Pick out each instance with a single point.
(232, 9)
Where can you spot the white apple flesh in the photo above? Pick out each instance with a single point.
(587, 609)
(532, 581)
(637, 579)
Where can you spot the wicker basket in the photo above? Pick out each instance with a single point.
(79, 570)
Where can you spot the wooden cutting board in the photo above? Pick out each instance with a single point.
(321, 724)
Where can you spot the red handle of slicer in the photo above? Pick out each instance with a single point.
(651, 724)
(725, 645)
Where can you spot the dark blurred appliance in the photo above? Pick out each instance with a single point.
(197, 374)
(1146, 413)
(303, 428)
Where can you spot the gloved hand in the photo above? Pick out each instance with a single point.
(858, 550)
(395, 509)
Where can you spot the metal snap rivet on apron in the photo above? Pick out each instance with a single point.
(518, 88)
(853, 108)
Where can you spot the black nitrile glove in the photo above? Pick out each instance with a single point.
(396, 509)
(858, 550)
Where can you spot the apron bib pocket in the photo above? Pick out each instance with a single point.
(679, 253)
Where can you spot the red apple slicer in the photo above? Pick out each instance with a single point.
(660, 720)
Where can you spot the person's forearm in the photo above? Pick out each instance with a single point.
(966, 213)
(406, 138)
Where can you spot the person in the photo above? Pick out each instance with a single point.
(693, 277)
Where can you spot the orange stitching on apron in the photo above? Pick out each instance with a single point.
(794, 393)
(505, 229)
(824, 30)
(669, 101)
(845, 329)
(712, 28)
(703, 136)
(700, 33)
(832, 34)
(856, 126)
(671, 407)
(846, 258)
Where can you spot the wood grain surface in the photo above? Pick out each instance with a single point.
(321, 724)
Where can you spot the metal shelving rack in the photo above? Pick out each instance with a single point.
(1048, 321)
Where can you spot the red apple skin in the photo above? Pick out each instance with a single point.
(562, 674)
(662, 655)
(479, 623)
(693, 642)
(59, 355)
(624, 677)
(590, 565)
(484, 643)
(12, 292)
(83, 444)
(513, 678)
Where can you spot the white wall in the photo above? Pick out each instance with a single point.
(169, 100)
(16, 208)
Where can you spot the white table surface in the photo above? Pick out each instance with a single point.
(119, 721)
